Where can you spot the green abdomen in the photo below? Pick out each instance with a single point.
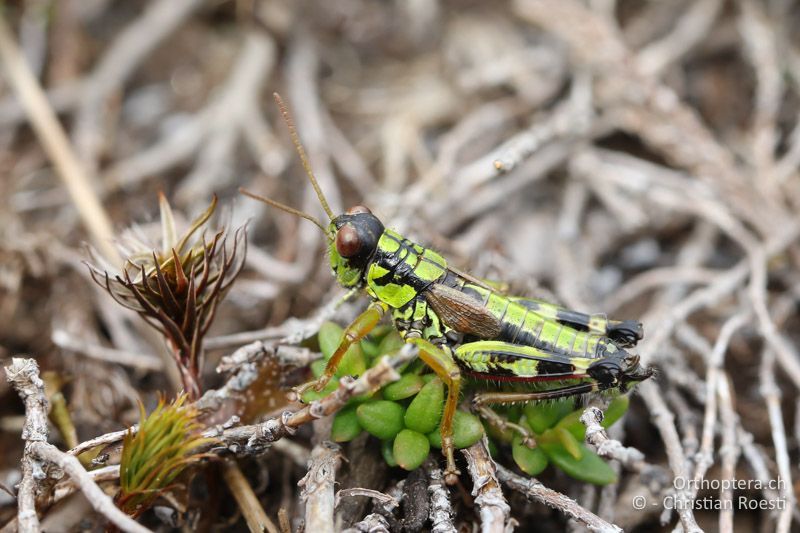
(524, 326)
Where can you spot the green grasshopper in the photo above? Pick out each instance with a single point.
(463, 326)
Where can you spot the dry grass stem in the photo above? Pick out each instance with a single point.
(253, 512)
(54, 140)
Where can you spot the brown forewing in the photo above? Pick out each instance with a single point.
(462, 312)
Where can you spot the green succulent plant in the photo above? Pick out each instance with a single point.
(405, 416)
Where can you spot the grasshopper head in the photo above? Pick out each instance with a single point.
(355, 239)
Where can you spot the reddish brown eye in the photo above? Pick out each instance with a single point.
(358, 209)
(348, 243)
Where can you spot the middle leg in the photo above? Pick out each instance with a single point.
(445, 367)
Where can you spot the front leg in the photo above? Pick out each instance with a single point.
(357, 330)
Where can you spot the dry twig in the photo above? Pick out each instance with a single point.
(596, 435)
(317, 485)
(441, 510)
(492, 506)
(24, 376)
(533, 490)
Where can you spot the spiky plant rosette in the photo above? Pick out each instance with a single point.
(177, 287)
(155, 455)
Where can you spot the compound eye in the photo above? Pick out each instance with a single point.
(348, 242)
(355, 210)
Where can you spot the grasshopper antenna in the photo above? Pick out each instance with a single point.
(284, 207)
(287, 118)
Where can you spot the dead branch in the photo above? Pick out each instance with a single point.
(23, 374)
(596, 435)
(494, 510)
(441, 510)
(385, 499)
(255, 439)
(372, 523)
(771, 393)
(63, 339)
(318, 487)
(664, 420)
(97, 498)
(533, 490)
(715, 374)
(638, 158)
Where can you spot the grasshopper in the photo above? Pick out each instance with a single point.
(464, 326)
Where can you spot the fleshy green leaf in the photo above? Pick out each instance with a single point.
(569, 442)
(435, 438)
(542, 416)
(589, 468)
(311, 395)
(616, 409)
(387, 450)
(318, 367)
(329, 336)
(425, 410)
(354, 362)
(370, 348)
(495, 433)
(363, 398)
(410, 449)
(390, 343)
(345, 425)
(406, 387)
(383, 419)
(530, 460)
(467, 430)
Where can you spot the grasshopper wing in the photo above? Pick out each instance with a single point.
(462, 312)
